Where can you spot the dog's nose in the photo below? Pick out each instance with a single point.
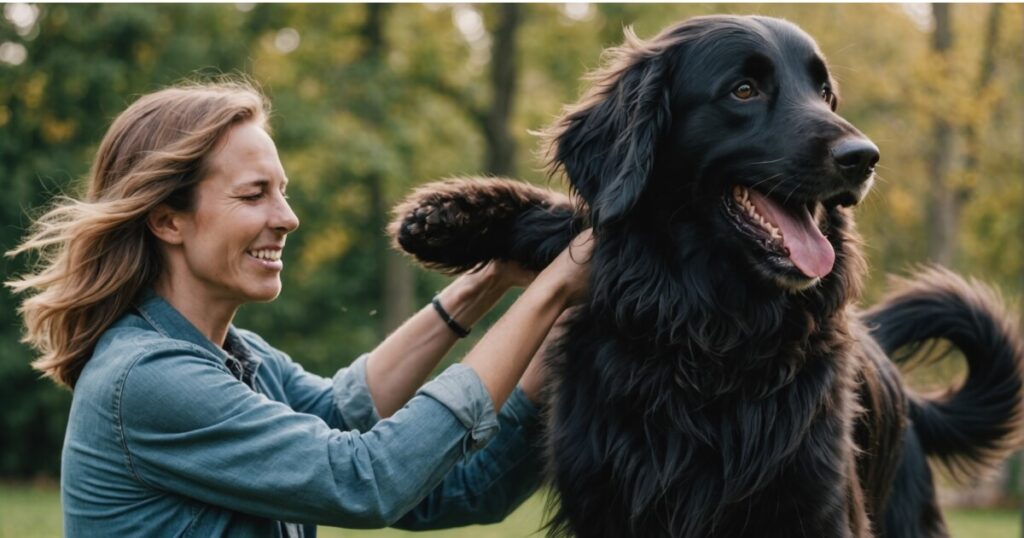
(855, 157)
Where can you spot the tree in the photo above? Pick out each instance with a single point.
(501, 146)
(397, 284)
(943, 205)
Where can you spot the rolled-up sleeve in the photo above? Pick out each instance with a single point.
(462, 392)
(189, 427)
(493, 482)
(352, 396)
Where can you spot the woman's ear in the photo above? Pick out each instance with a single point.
(165, 223)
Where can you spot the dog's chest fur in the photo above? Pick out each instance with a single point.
(669, 462)
(676, 439)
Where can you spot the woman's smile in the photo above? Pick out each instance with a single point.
(269, 258)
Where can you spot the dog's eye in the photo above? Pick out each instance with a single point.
(744, 91)
(828, 96)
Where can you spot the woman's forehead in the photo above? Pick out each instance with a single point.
(247, 155)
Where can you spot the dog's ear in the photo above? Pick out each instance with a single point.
(606, 143)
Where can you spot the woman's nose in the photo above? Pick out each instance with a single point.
(285, 219)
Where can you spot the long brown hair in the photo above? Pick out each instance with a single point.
(96, 254)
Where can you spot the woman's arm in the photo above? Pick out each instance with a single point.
(535, 378)
(491, 484)
(502, 355)
(402, 362)
(177, 408)
(187, 426)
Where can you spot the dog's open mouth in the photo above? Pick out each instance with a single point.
(787, 232)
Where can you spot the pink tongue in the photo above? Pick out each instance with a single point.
(808, 248)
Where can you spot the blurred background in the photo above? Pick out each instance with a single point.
(371, 100)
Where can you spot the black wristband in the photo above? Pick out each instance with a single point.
(459, 330)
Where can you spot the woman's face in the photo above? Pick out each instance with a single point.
(233, 238)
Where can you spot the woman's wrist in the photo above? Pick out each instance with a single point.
(472, 295)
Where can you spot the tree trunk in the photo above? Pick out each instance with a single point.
(501, 145)
(396, 284)
(971, 132)
(942, 207)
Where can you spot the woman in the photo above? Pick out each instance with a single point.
(182, 424)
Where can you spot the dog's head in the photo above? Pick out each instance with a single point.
(728, 124)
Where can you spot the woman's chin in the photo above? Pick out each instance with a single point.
(263, 294)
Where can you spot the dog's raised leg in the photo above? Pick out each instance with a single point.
(456, 225)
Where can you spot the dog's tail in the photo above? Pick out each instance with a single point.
(972, 427)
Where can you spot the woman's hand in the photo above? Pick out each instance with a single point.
(507, 274)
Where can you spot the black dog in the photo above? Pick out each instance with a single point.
(720, 382)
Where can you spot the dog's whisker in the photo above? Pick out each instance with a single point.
(772, 161)
(769, 178)
(785, 200)
(778, 184)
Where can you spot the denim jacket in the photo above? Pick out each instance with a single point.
(163, 440)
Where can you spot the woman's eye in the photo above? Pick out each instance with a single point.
(744, 91)
(251, 197)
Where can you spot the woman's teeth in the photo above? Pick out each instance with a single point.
(270, 255)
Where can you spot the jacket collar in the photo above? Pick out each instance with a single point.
(170, 323)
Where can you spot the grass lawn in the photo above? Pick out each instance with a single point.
(31, 511)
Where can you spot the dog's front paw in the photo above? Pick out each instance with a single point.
(456, 225)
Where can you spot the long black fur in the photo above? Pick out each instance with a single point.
(703, 391)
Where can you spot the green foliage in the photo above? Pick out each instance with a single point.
(54, 108)
(359, 126)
